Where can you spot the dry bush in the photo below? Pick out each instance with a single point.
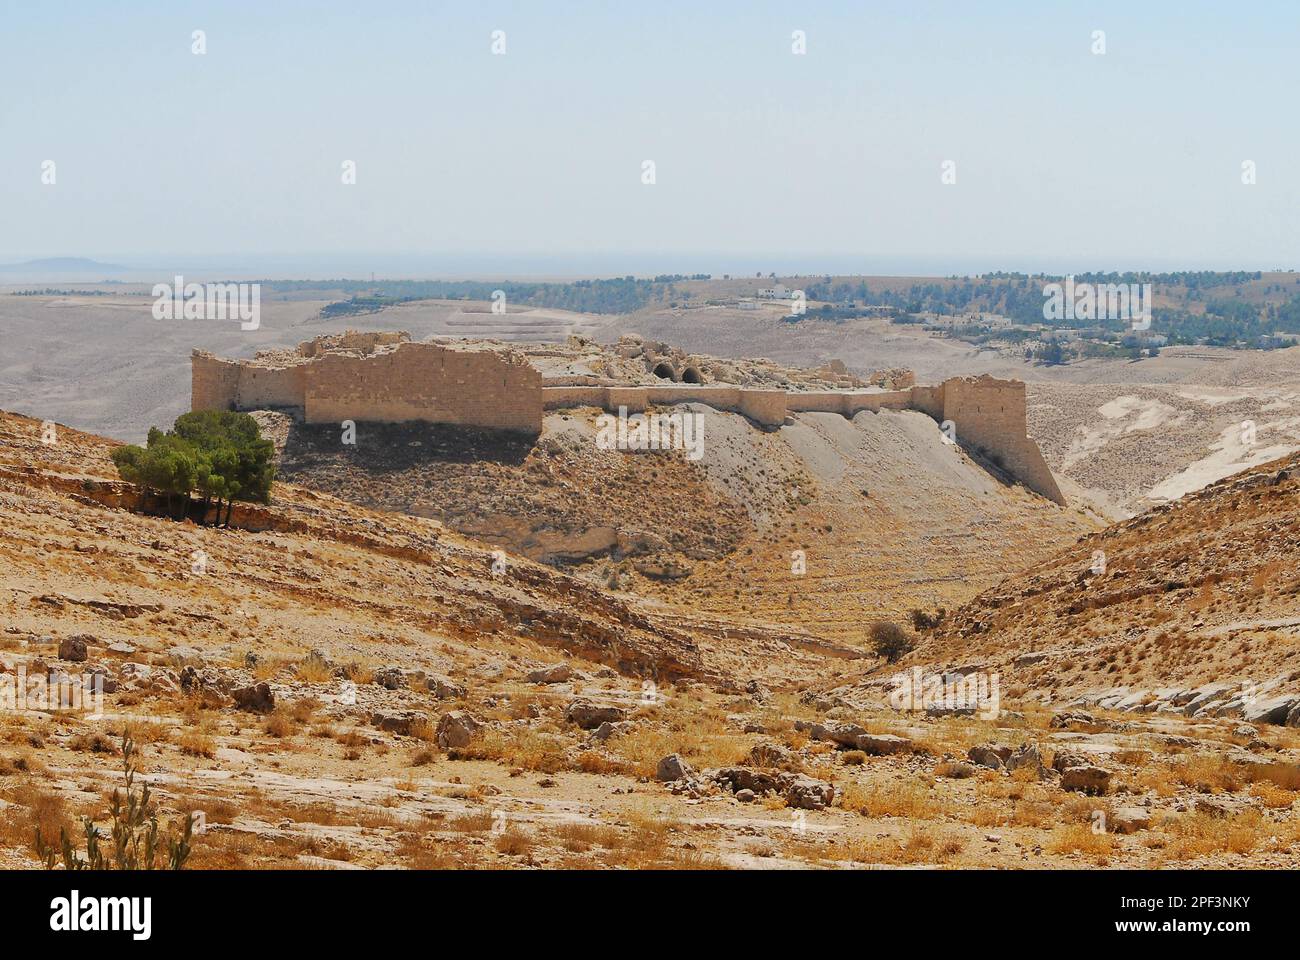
(92, 743)
(917, 845)
(34, 809)
(1272, 796)
(580, 837)
(196, 744)
(514, 842)
(279, 723)
(593, 761)
(889, 640)
(427, 853)
(479, 822)
(519, 747)
(314, 668)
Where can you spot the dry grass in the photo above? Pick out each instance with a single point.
(193, 743)
(900, 798)
(1081, 838)
(1200, 834)
(520, 747)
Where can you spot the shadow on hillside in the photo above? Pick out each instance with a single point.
(388, 447)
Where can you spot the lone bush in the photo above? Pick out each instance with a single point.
(889, 640)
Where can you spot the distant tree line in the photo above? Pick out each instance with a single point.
(617, 295)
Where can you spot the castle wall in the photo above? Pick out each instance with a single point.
(270, 387)
(217, 384)
(424, 381)
(214, 383)
(484, 388)
(990, 415)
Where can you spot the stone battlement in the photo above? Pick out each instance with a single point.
(386, 377)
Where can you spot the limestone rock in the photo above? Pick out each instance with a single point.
(73, 649)
(556, 673)
(446, 689)
(456, 730)
(991, 755)
(881, 744)
(390, 678)
(673, 767)
(257, 697)
(1086, 779)
(589, 715)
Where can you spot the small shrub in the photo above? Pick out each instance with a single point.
(889, 640)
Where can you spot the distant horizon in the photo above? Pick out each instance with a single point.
(561, 267)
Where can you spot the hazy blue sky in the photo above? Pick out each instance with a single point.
(470, 161)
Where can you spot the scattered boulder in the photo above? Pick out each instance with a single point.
(882, 744)
(799, 790)
(805, 793)
(1027, 756)
(1068, 718)
(673, 767)
(390, 678)
(768, 754)
(557, 673)
(1130, 819)
(844, 734)
(456, 729)
(74, 649)
(401, 722)
(589, 715)
(991, 755)
(1063, 759)
(446, 689)
(1086, 779)
(257, 698)
(746, 796)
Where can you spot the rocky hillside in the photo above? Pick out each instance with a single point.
(820, 525)
(327, 686)
(1203, 590)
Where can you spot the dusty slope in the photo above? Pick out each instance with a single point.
(885, 514)
(69, 562)
(1203, 590)
(374, 632)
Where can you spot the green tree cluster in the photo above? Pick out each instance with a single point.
(218, 454)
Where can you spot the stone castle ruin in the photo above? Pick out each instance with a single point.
(387, 377)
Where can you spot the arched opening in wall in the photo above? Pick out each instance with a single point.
(663, 371)
(692, 375)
